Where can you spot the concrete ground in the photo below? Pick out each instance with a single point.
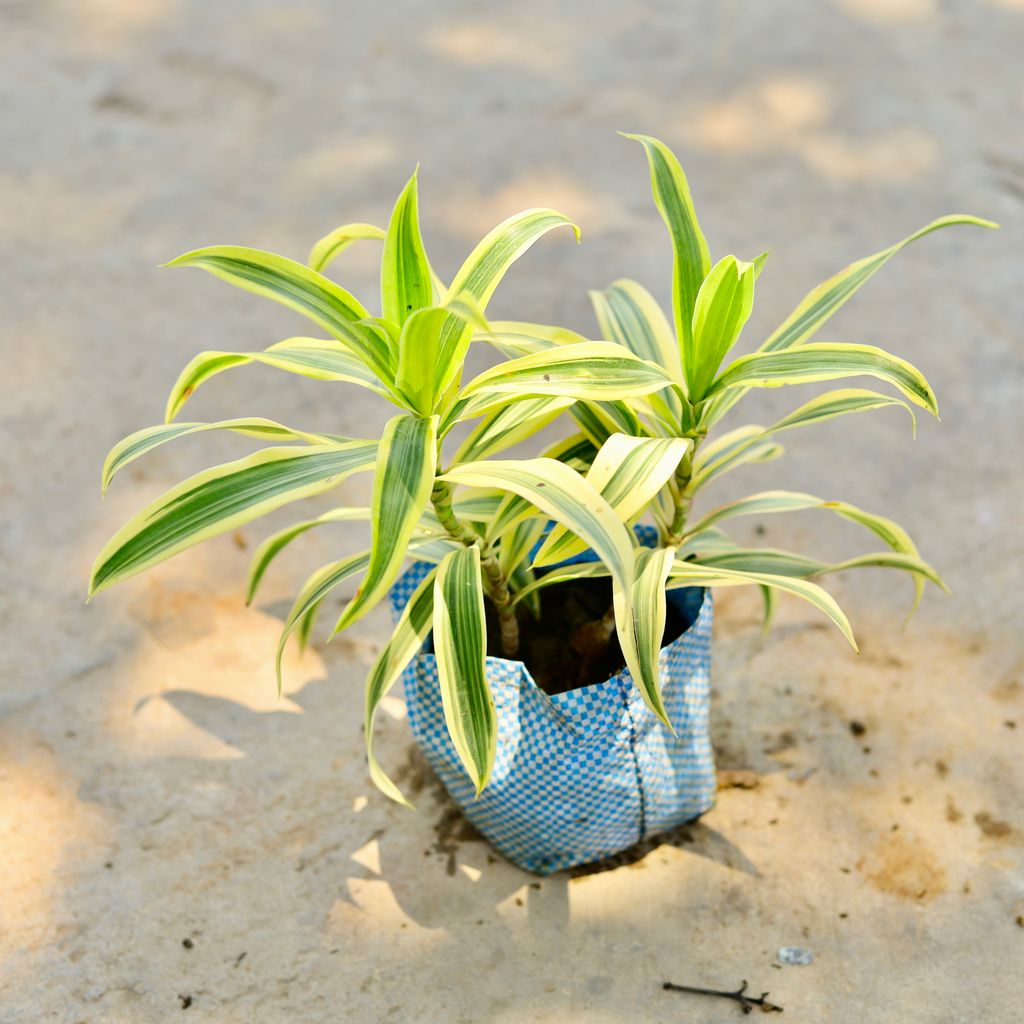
(175, 839)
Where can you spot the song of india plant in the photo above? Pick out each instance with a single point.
(641, 409)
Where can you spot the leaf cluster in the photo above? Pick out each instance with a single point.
(640, 404)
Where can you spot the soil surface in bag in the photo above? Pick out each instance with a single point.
(574, 643)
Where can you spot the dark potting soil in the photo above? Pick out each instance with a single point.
(573, 645)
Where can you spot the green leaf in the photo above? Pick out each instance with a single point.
(730, 449)
(517, 544)
(145, 440)
(892, 560)
(514, 338)
(404, 476)
(522, 577)
(313, 591)
(650, 606)
(562, 574)
(828, 361)
(839, 403)
(628, 314)
(425, 368)
(317, 358)
(769, 502)
(405, 280)
(301, 289)
(593, 370)
(224, 498)
(723, 305)
(686, 574)
(822, 301)
(513, 508)
(484, 268)
(486, 265)
(331, 576)
(460, 644)
(333, 244)
(737, 448)
(818, 305)
(418, 359)
(628, 472)
(508, 426)
(568, 498)
(597, 424)
(407, 638)
(691, 260)
(270, 548)
(764, 560)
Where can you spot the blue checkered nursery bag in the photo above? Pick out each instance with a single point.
(579, 775)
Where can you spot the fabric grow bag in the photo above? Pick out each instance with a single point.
(579, 775)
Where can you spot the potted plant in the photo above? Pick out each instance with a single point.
(556, 652)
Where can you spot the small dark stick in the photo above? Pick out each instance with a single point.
(745, 1001)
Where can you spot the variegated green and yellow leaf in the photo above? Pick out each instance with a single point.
(510, 425)
(327, 578)
(518, 542)
(270, 548)
(408, 636)
(312, 593)
(593, 370)
(575, 451)
(565, 496)
(826, 361)
(486, 265)
(628, 314)
(628, 472)
(818, 305)
(788, 563)
(301, 289)
(224, 498)
(404, 476)
(561, 574)
(484, 268)
(822, 301)
(650, 608)
(514, 338)
(425, 370)
(317, 358)
(918, 567)
(136, 445)
(769, 502)
(460, 645)
(725, 450)
(418, 369)
(337, 241)
(764, 560)
(405, 280)
(691, 260)
(686, 574)
(723, 306)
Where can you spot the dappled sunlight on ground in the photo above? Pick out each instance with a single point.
(45, 830)
(175, 833)
(495, 42)
(103, 27)
(471, 214)
(795, 114)
(892, 12)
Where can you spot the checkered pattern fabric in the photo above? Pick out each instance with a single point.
(580, 775)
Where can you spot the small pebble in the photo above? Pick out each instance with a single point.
(793, 955)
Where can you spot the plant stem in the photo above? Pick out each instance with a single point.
(682, 501)
(494, 579)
